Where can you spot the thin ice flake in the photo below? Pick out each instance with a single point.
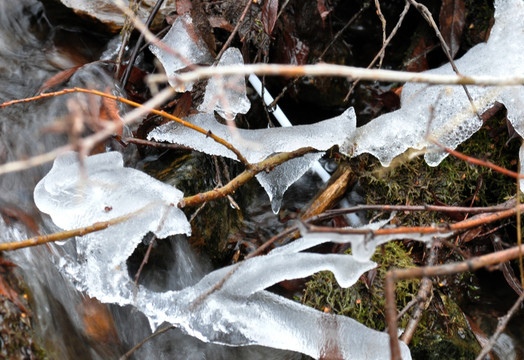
(187, 49)
(227, 95)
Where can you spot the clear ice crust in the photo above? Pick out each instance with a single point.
(237, 311)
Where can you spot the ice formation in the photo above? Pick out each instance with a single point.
(100, 189)
(446, 109)
(227, 95)
(188, 49)
(256, 145)
(237, 311)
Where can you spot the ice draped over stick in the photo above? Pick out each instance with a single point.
(237, 311)
(443, 113)
(257, 145)
(241, 311)
(444, 110)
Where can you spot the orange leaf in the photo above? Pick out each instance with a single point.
(452, 20)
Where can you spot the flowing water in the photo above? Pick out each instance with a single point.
(35, 44)
(69, 324)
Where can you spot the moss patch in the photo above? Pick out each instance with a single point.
(454, 182)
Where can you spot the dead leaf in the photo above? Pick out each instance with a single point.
(98, 322)
(269, 15)
(7, 291)
(452, 21)
(419, 61)
(58, 79)
(14, 213)
(183, 105)
(295, 51)
(221, 23)
(183, 6)
(323, 11)
(109, 112)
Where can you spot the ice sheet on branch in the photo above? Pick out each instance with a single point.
(256, 145)
(187, 49)
(446, 108)
(102, 189)
(237, 311)
(227, 95)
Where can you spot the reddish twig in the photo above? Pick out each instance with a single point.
(430, 271)
(162, 113)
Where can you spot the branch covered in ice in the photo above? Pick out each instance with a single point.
(238, 311)
(445, 111)
(259, 144)
(100, 189)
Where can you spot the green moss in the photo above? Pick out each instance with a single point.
(365, 302)
(454, 182)
(442, 332)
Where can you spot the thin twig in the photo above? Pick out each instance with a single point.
(426, 285)
(383, 22)
(240, 21)
(382, 50)
(429, 18)
(141, 343)
(162, 113)
(244, 177)
(131, 63)
(64, 235)
(351, 72)
(430, 271)
(500, 328)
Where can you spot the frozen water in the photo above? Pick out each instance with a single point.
(188, 49)
(256, 145)
(362, 246)
(228, 306)
(445, 110)
(227, 95)
(108, 191)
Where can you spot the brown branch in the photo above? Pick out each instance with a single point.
(64, 235)
(426, 286)
(500, 328)
(235, 30)
(137, 105)
(424, 11)
(265, 165)
(443, 228)
(475, 161)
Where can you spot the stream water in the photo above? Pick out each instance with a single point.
(33, 48)
(70, 325)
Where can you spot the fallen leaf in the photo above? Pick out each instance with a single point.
(183, 105)
(8, 292)
(269, 15)
(98, 321)
(418, 61)
(109, 112)
(323, 11)
(183, 6)
(58, 79)
(221, 23)
(452, 20)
